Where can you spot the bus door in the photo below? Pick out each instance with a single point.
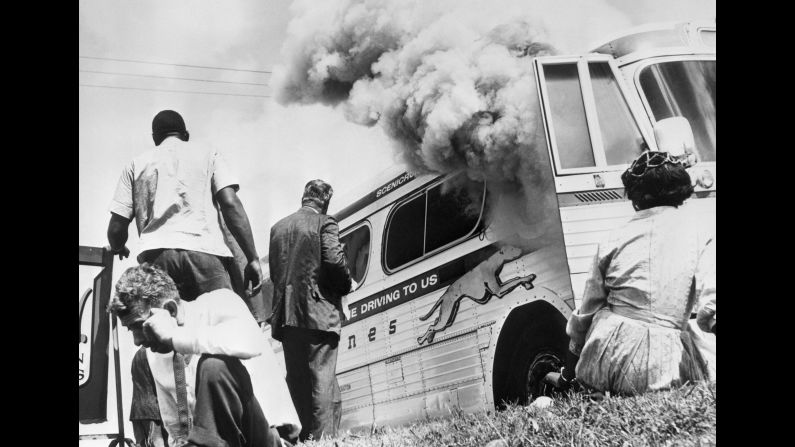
(592, 130)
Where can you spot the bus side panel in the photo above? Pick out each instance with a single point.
(451, 362)
(547, 264)
(357, 397)
(404, 372)
(412, 380)
(584, 227)
(416, 381)
(372, 336)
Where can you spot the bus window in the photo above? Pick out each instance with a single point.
(685, 88)
(414, 230)
(568, 116)
(453, 213)
(591, 125)
(357, 251)
(621, 137)
(406, 233)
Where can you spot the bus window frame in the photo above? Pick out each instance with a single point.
(423, 191)
(351, 229)
(591, 114)
(662, 59)
(700, 37)
(695, 36)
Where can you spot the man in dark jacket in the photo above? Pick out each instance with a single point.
(310, 275)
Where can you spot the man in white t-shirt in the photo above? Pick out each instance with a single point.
(178, 192)
(215, 376)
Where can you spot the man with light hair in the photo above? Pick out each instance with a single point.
(213, 377)
(310, 276)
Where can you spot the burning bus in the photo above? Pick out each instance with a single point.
(464, 289)
(465, 283)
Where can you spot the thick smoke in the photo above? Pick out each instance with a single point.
(451, 82)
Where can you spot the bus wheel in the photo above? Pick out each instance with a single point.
(529, 366)
(542, 363)
(532, 342)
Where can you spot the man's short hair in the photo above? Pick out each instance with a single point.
(317, 192)
(144, 286)
(168, 122)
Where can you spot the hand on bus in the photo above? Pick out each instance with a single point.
(354, 285)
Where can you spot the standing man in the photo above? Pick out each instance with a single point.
(211, 369)
(175, 192)
(310, 275)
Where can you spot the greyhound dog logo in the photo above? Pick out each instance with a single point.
(483, 281)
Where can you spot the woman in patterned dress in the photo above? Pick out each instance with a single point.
(630, 334)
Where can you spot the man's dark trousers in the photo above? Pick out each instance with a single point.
(226, 411)
(310, 358)
(193, 272)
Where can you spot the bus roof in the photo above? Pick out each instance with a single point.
(700, 34)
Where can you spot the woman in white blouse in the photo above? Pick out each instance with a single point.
(630, 332)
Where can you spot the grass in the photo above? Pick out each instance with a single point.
(683, 416)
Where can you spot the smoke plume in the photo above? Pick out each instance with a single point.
(450, 82)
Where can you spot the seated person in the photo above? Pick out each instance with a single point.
(630, 332)
(203, 356)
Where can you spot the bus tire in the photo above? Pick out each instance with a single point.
(533, 358)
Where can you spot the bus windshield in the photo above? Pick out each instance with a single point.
(687, 89)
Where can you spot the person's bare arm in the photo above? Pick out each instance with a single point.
(121, 212)
(237, 221)
(117, 235)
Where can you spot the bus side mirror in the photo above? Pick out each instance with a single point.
(675, 136)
